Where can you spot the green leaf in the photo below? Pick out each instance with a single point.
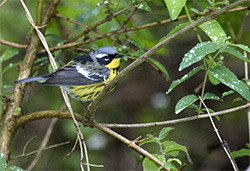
(213, 80)
(228, 78)
(214, 31)
(9, 53)
(171, 166)
(184, 78)
(143, 6)
(17, 111)
(243, 47)
(211, 96)
(174, 7)
(149, 165)
(197, 53)
(177, 28)
(174, 160)
(15, 168)
(11, 66)
(170, 146)
(247, 81)
(150, 140)
(227, 93)
(57, 52)
(237, 99)
(164, 132)
(50, 68)
(236, 53)
(185, 102)
(241, 153)
(137, 53)
(3, 163)
(160, 66)
(136, 42)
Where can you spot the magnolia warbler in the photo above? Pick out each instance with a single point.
(84, 77)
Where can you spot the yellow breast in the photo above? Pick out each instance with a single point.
(91, 91)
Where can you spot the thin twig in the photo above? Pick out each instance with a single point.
(132, 12)
(12, 44)
(80, 24)
(176, 121)
(3, 3)
(223, 142)
(43, 144)
(73, 149)
(26, 145)
(46, 148)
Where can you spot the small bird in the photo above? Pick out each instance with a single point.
(84, 77)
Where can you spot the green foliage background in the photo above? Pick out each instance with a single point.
(139, 97)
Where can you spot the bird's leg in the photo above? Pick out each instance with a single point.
(84, 108)
(86, 120)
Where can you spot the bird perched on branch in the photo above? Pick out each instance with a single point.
(84, 77)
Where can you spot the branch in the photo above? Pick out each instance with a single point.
(176, 121)
(12, 44)
(66, 115)
(94, 105)
(131, 144)
(45, 148)
(3, 3)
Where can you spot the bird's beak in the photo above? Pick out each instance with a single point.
(119, 56)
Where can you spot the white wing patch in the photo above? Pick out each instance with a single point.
(84, 72)
(91, 75)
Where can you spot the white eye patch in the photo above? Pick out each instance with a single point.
(101, 55)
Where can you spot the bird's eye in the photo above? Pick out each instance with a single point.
(106, 58)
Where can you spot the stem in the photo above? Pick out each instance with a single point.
(203, 90)
(191, 21)
(223, 142)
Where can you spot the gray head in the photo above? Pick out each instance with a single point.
(105, 55)
(108, 50)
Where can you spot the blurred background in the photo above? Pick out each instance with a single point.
(138, 98)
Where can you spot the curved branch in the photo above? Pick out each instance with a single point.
(45, 114)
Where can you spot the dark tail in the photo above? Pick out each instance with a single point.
(40, 79)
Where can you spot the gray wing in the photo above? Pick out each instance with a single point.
(77, 74)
